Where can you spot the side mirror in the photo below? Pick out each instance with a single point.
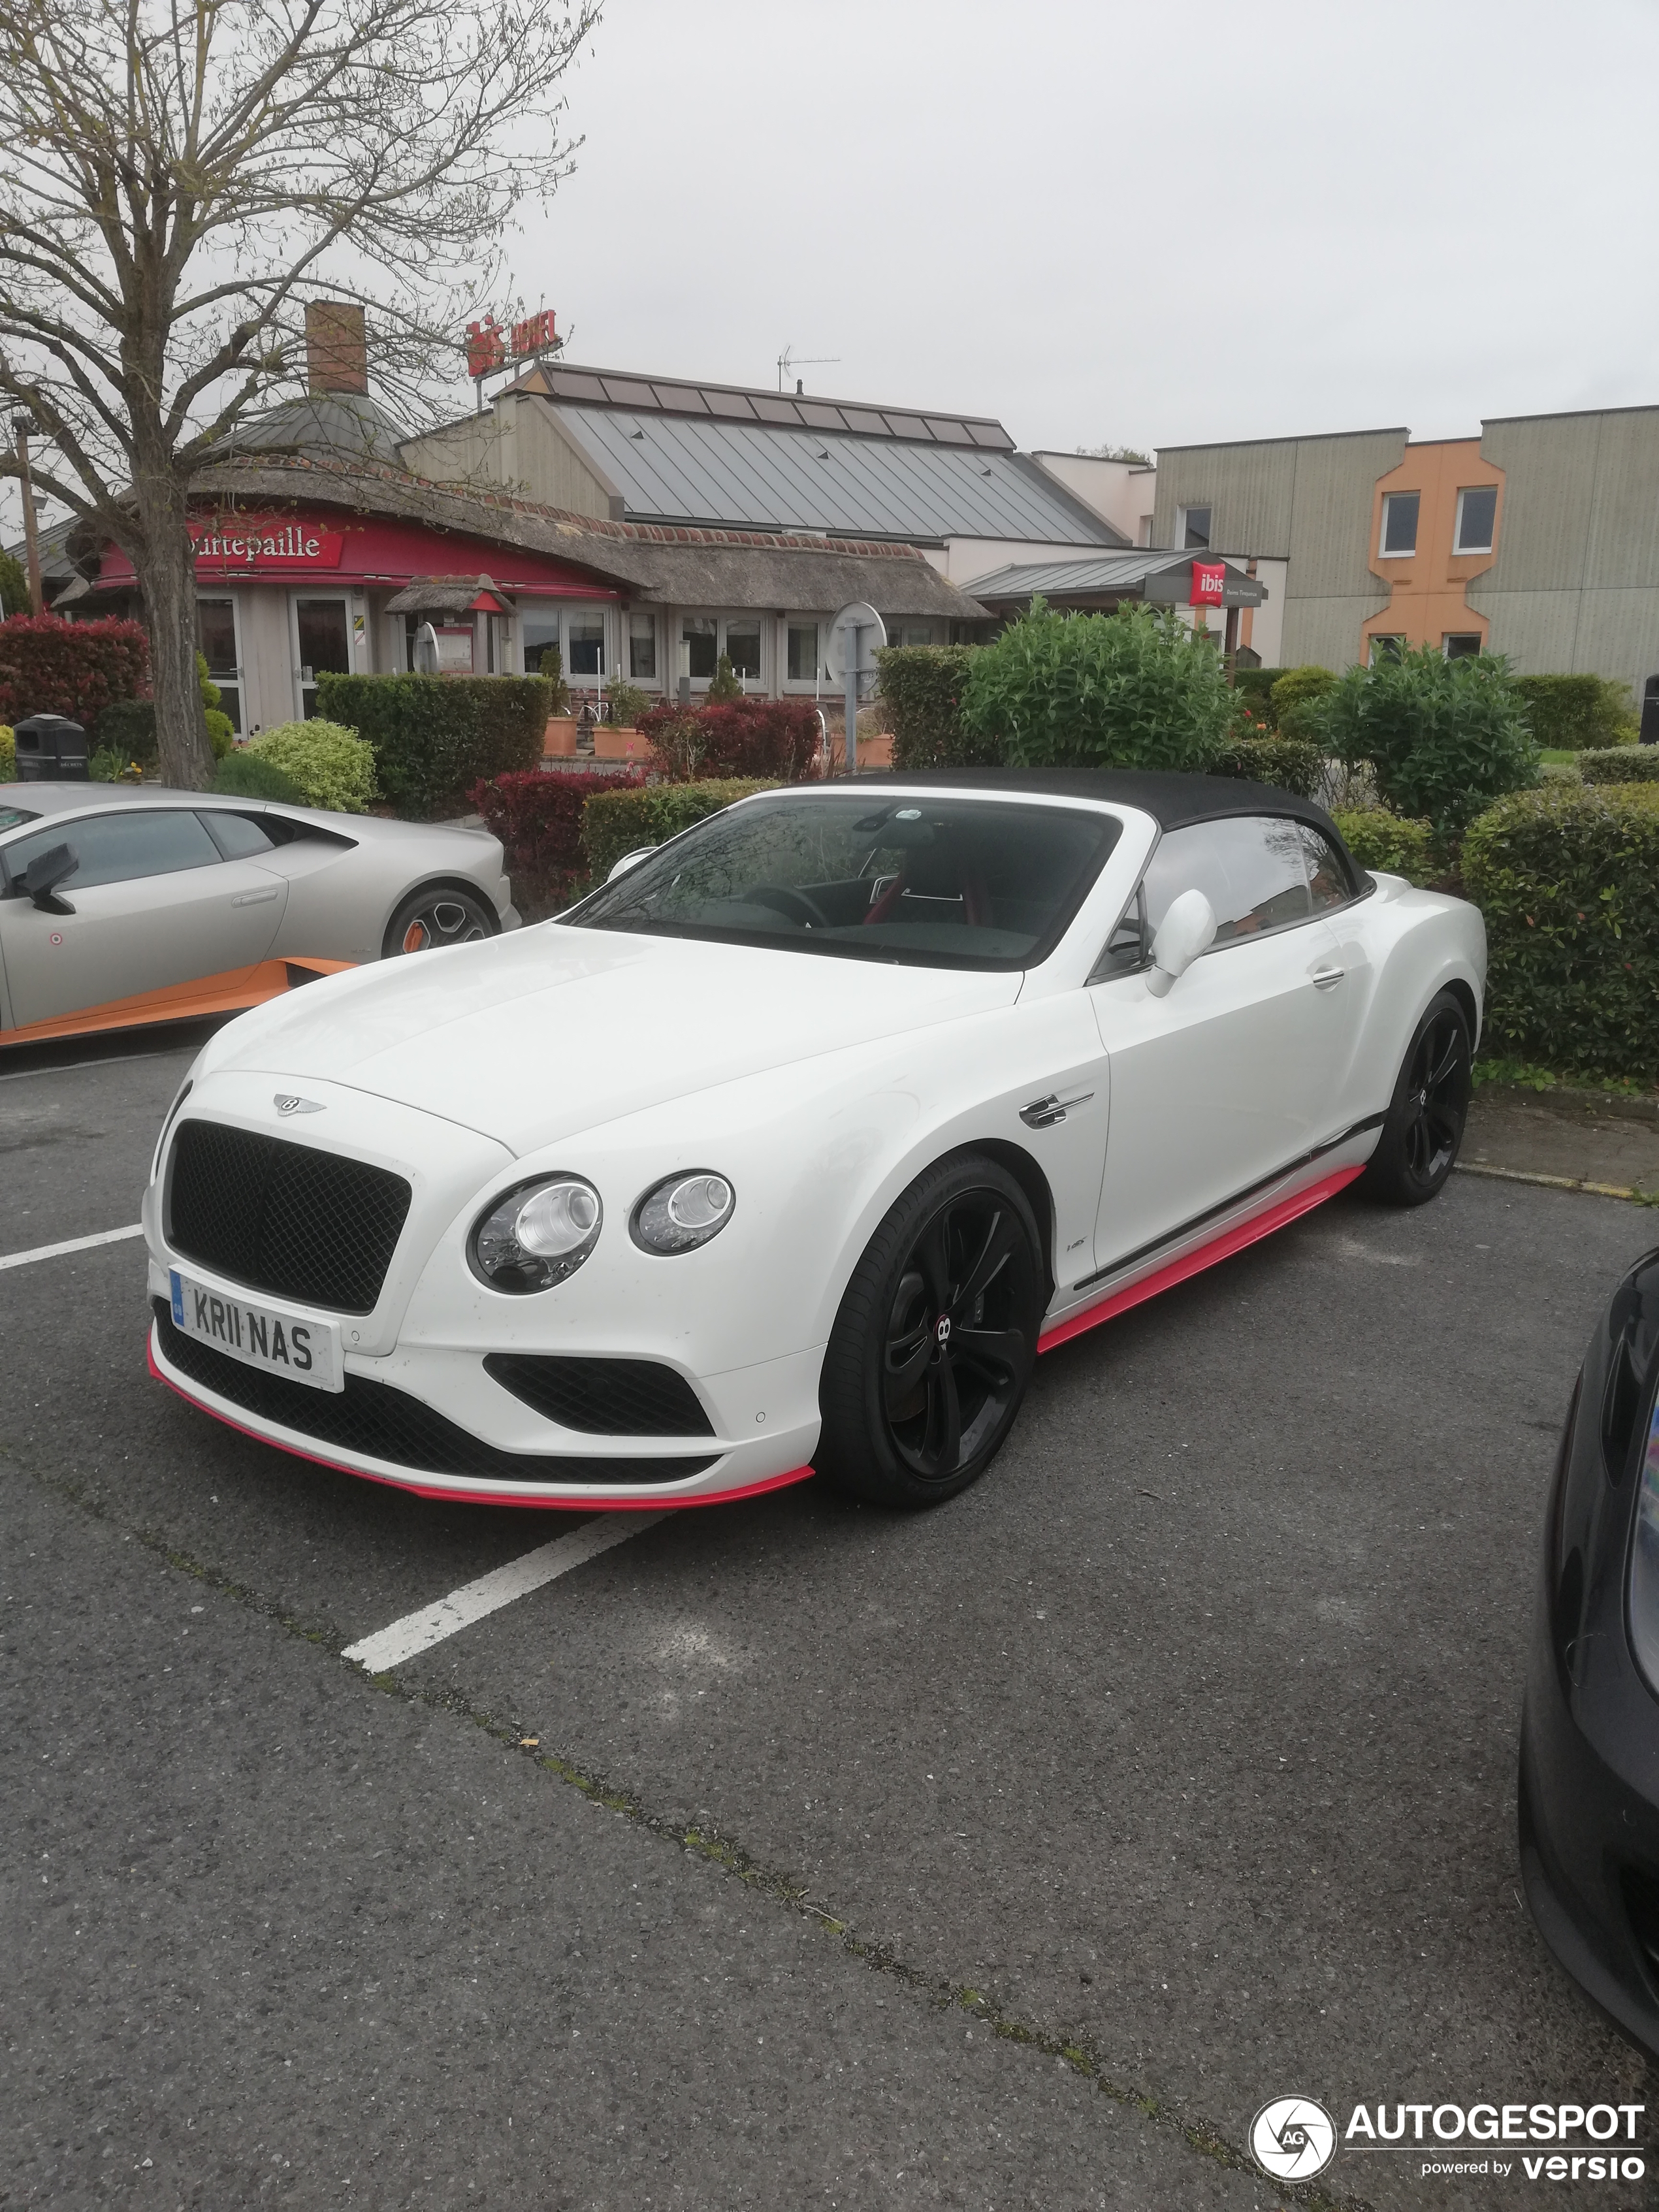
(45, 872)
(629, 861)
(1186, 930)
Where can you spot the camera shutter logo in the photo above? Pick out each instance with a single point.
(1292, 2139)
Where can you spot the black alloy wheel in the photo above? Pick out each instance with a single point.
(441, 916)
(1425, 1125)
(934, 1344)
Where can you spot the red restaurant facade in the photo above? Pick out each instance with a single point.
(286, 593)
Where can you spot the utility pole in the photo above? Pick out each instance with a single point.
(22, 424)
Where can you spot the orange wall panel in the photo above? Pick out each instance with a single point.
(1427, 596)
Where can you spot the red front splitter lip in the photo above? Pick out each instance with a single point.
(432, 1486)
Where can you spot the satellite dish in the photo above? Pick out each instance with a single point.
(425, 650)
(857, 634)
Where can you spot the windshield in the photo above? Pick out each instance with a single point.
(943, 882)
(11, 815)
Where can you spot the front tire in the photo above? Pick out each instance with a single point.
(1424, 1128)
(935, 1340)
(439, 915)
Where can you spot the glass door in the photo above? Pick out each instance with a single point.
(322, 645)
(216, 640)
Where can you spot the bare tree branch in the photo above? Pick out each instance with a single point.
(182, 176)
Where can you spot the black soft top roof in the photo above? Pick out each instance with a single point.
(1173, 800)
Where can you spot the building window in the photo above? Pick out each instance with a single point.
(803, 653)
(642, 647)
(1386, 648)
(1477, 513)
(585, 655)
(1193, 529)
(1400, 524)
(1460, 645)
(216, 640)
(743, 647)
(539, 634)
(699, 647)
(909, 633)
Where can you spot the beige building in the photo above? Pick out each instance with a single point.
(1539, 539)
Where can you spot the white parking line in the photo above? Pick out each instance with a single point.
(74, 1066)
(69, 1244)
(418, 1632)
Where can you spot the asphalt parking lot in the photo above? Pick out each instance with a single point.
(789, 1853)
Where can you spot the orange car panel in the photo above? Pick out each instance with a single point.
(230, 993)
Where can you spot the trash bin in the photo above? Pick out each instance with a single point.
(51, 749)
(1650, 711)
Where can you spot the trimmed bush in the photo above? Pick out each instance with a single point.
(129, 725)
(1286, 762)
(538, 818)
(922, 689)
(1136, 689)
(1444, 737)
(1621, 764)
(433, 737)
(8, 754)
(774, 739)
(618, 821)
(1253, 687)
(1296, 694)
(328, 765)
(1571, 713)
(1568, 880)
(249, 775)
(723, 685)
(51, 666)
(1380, 840)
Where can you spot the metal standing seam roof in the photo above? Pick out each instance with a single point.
(763, 476)
(1107, 572)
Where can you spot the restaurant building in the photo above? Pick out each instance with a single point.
(320, 546)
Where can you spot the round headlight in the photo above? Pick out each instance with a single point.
(683, 1212)
(537, 1235)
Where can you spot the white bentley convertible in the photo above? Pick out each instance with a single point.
(795, 1143)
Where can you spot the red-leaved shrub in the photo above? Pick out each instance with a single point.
(771, 738)
(538, 815)
(51, 666)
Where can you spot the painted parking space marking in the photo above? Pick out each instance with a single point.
(69, 1244)
(419, 1632)
(74, 1066)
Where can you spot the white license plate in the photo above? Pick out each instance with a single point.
(304, 1349)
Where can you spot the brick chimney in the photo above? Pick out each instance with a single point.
(336, 347)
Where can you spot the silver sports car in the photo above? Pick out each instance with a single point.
(124, 903)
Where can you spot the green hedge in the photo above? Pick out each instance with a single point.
(128, 726)
(245, 776)
(1389, 842)
(1289, 763)
(922, 689)
(618, 821)
(1568, 880)
(1254, 687)
(1295, 698)
(1571, 713)
(433, 736)
(1621, 764)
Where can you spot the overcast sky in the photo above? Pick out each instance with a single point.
(1137, 223)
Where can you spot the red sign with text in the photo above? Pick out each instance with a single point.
(490, 347)
(1209, 584)
(278, 542)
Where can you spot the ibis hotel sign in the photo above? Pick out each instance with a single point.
(275, 543)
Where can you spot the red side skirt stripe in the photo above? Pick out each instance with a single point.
(1193, 1263)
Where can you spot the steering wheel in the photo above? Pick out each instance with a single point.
(794, 904)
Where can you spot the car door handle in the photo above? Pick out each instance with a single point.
(1046, 1113)
(1326, 979)
(253, 898)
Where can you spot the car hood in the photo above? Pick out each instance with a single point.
(531, 1038)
